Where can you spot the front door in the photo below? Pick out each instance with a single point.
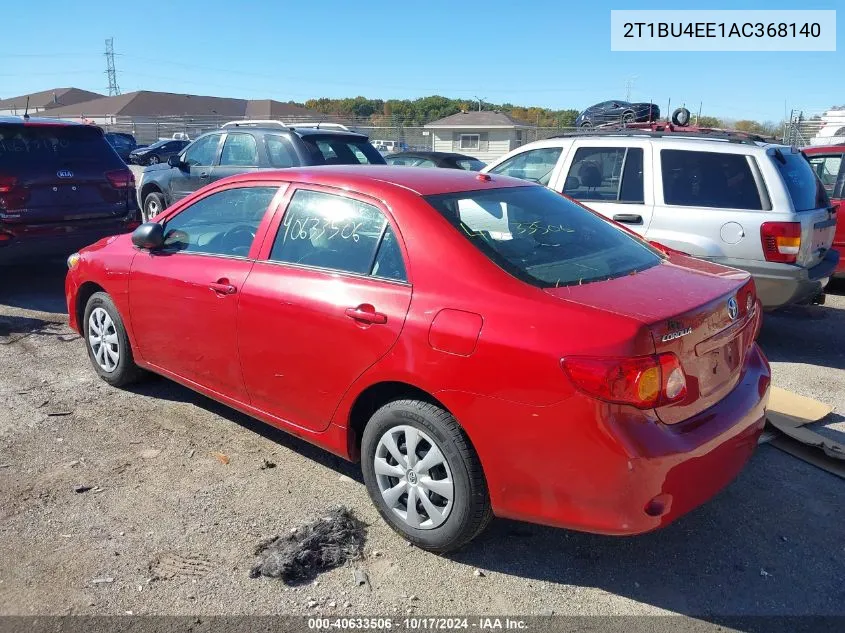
(183, 298)
(327, 302)
(196, 170)
(611, 179)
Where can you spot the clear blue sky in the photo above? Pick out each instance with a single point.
(547, 53)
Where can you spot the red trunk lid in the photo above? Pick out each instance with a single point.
(684, 303)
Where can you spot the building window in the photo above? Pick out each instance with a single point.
(470, 141)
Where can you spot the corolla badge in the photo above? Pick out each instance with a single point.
(671, 336)
(733, 308)
(64, 173)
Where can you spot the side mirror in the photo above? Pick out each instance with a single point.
(148, 236)
(175, 161)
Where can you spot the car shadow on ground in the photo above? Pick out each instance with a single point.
(164, 389)
(39, 287)
(756, 549)
(814, 335)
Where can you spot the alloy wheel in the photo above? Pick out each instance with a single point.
(414, 477)
(153, 209)
(102, 337)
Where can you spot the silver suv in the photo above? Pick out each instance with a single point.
(738, 202)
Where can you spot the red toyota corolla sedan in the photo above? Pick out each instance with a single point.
(483, 345)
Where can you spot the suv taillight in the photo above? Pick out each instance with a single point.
(120, 178)
(12, 194)
(781, 241)
(642, 381)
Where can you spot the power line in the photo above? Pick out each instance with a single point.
(114, 89)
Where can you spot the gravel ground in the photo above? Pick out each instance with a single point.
(169, 529)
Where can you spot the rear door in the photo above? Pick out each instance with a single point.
(613, 178)
(198, 162)
(709, 202)
(61, 173)
(325, 301)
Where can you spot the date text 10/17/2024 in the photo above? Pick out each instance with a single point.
(418, 624)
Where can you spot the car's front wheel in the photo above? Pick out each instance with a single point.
(107, 342)
(153, 160)
(153, 205)
(424, 476)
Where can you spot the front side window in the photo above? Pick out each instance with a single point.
(339, 233)
(542, 238)
(470, 141)
(607, 174)
(223, 223)
(470, 164)
(203, 152)
(710, 179)
(827, 169)
(535, 165)
(240, 149)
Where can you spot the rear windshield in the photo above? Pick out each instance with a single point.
(542, 238)
(805, 189)
(53, 147)
(340, 150)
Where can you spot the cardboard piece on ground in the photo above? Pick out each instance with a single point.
(810, 454)
(789, 403)
(792, 427)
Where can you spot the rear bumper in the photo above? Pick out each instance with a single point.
(780, 285)
(608, 469)
(41, 242)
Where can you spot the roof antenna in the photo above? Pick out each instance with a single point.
(26, 111)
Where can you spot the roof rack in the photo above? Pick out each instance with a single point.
(291, 126)
(659, 130)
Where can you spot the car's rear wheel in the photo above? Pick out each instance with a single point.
(107, 342)
(153, 160)
(628, 117)
(153, 205)
(586, 125)
(424, 476)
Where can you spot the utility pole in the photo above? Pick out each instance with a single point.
(479, 99)
(114, 89)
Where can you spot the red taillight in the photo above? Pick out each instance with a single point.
(121, 178)
(643, 381)
(7, 183)
(781, 241)
(6, 239)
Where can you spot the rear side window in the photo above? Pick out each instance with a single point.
(339, 233)
(805, 190)
(49, 148)
(543, 238)
(340, 150)
(470, 164)
(240, 149)
(280, 151)
(709, 179)
(608, 174)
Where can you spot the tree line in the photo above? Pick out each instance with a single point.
(417, 112)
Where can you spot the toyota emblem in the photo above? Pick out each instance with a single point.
(733, 308)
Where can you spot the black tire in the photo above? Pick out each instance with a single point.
(126, 371)
(470, 512)
(153, 205)
(681, 117)
(628, 117)
(587, 125)
(153, 160)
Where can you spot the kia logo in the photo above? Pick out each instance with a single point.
(64, 173)
(733, 308)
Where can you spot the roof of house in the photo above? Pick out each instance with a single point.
(483, 119)
(148, 103)
(52, 99)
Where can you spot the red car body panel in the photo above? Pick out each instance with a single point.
(837, 197)
(483, 343)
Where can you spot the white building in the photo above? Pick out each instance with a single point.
(832, 128)
(485, 135)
